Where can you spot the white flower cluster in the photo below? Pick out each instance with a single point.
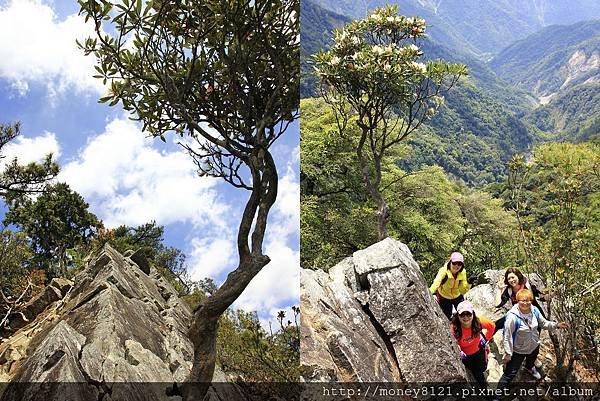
(411, 50)
(419, 66)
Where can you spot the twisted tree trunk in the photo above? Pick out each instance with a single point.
(203, 331)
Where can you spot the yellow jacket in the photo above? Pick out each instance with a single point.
(453, 287)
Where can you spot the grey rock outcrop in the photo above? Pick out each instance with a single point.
(117, 330)
(371, 318)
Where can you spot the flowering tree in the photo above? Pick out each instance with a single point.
(372, 75)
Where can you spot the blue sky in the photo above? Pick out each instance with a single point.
(46, 83)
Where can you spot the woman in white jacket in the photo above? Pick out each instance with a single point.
(522, 338)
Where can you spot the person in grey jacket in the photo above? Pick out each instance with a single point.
(522, 338)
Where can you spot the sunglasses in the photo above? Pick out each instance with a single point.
(457, 263)
(466, 314)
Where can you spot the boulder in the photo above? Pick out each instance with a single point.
(371, 318)
(61, 284)
(338, 340)
(139, 258)
(37, 305)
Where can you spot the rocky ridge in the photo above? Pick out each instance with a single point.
(117, 329)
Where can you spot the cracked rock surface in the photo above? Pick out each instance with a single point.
(118, 324)
(371, 318)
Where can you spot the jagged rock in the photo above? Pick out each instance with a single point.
(139, 258)
(61, 284)
(35, 306)
(339, 343)
(116, 331)
(400, 302)
(389, 337)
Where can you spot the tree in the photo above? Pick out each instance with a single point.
(555, 195)
(15, 256)
(336, 215)
(372, 74)
(18, 180)
(55, 221)
(429, 212)
(247, 349)
(223, 75)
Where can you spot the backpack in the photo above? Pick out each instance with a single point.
(536, 313)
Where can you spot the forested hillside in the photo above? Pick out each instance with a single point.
(480, 28)
(468, 137)
(552, 60)
(560, 65)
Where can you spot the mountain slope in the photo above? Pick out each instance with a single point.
(554, 59)
(317, 25)
(571, 115)
(479, 27)
(476, 131)
(561, 66)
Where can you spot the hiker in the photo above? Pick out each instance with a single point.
(521, 337)
(515, 281)
(472, 334)
(451, 283)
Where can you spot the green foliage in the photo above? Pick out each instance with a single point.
(570, 115)
(246, 349)
(336, 217)
(178, 65)
(55, 221)
(468, 137)
(430, 213)
(17, 180)
(15, 262)
(376, 60)
(372, 74)
(556, 196)
(147, 237)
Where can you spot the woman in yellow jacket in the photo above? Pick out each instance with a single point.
(451, 283)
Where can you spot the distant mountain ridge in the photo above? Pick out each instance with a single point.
(555, 58)
(480, 28)
(560, 65)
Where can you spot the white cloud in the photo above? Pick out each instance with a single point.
(127, 181)
(277, 286)
(28, 150)
(36, 48)
(286, 217)
(211, 257)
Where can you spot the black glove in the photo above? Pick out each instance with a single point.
(472, 278)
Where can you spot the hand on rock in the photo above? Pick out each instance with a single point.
(463, 356)
(563, 325)
(506, 359)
